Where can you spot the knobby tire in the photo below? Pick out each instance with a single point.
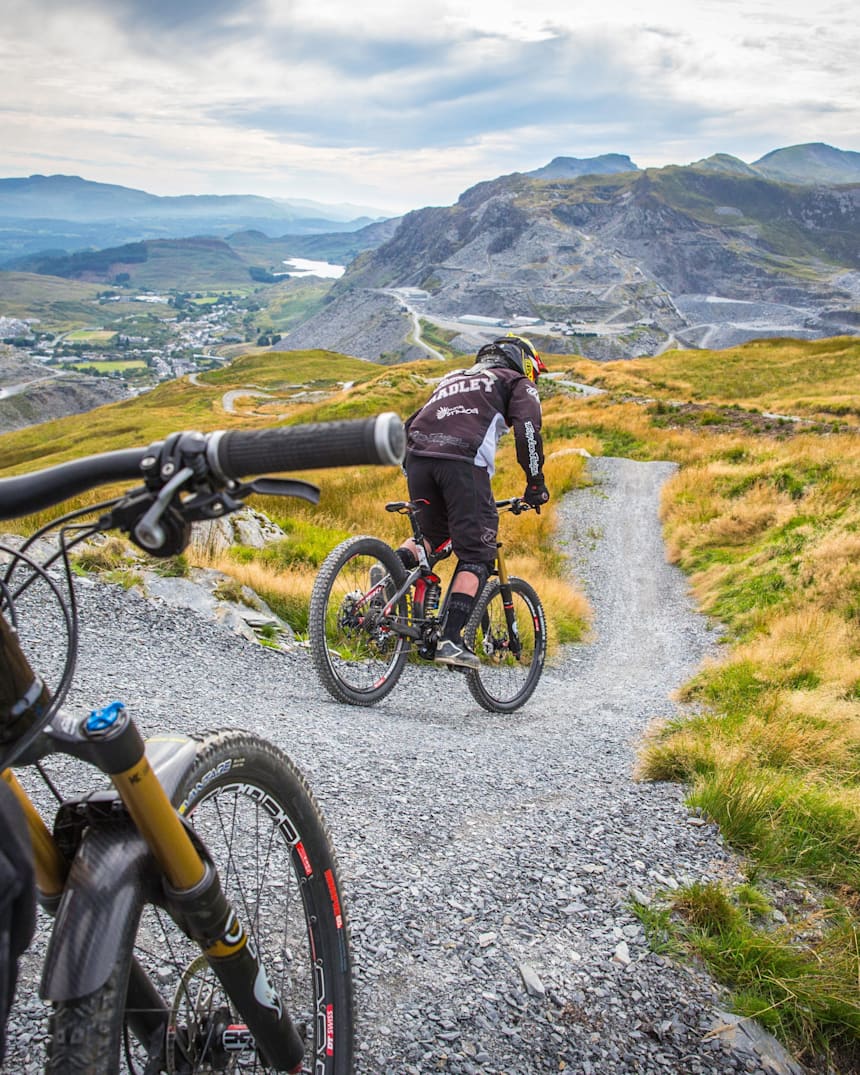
(358, 657)
(504, 682)
(258, 819)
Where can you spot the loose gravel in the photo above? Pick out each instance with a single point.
(489, 861)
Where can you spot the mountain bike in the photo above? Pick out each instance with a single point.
(367, 614)
(198, 921)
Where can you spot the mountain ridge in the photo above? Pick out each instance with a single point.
(628, 261)
(571, 167)
(812, 162)
(64, 214)
(199, 260)
(634, 258)
(71, 197)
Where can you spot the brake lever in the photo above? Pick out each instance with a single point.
(149, 533)
(284, 487)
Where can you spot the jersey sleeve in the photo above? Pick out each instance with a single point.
(524, 417)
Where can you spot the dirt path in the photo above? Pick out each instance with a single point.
(488, 861)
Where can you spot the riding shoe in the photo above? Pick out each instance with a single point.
(456, 653)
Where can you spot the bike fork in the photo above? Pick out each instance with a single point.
(193, 891)
(508, 603)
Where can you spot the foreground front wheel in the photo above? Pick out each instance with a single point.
(163, 1009)
(510, 644)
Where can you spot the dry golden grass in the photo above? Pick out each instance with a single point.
(794, 377)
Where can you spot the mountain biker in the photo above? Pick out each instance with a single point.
(450, 458)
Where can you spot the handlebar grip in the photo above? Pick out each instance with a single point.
(240, 453)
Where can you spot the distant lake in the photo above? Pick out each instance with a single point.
(306, 267)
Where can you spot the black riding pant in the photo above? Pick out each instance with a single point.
(460, 505)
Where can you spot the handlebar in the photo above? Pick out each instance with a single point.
(227, 454)
(516, 505)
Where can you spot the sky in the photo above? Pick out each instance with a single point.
(395, 106)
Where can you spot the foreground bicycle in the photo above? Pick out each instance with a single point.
(367, 612)
(198, 921)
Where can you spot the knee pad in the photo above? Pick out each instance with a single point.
(479, 568)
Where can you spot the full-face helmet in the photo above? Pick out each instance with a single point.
(515, 353)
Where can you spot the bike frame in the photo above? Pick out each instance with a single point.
(426, 562)
(141, 840)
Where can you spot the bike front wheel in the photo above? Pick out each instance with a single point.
(163, 1008)
(356, 650)
(510, 644)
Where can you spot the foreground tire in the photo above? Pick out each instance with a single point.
(511, 661)
(267, 839)
(358, 658)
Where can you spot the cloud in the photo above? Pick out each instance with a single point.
(468, 85)
(213, 19)
(393, 102)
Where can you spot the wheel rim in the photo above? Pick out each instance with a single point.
(361, 648)
(505, 675)
(258, 872)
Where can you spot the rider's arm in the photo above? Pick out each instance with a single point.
(524, 417)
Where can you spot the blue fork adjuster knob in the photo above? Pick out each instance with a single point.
(102, 719)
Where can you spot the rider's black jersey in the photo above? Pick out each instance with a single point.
(471, 410)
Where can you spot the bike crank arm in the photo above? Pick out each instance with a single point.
(193, 890)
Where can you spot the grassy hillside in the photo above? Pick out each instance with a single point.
(159, 264)
(187, 264)
(197, 263)
(56, 302)
(273, 388)
(763, 515)
(337, 247)
(190, 264)
(818, 381)
(290, 301)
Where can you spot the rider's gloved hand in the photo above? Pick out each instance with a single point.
(536, 493)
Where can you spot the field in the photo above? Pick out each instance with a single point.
(92, 336)
(764, 517)
(110, 365)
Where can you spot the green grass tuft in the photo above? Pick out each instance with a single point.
(805, 992)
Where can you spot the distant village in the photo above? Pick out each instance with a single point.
(140, 349)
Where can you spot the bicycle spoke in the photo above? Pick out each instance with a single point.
(355, 646)
(510, 644)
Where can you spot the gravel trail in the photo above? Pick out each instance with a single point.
(488, 861)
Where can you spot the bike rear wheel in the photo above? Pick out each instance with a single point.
(512, 657)
(358, 656)
(263, 830)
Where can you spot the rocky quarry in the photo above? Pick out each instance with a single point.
(609, 266)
